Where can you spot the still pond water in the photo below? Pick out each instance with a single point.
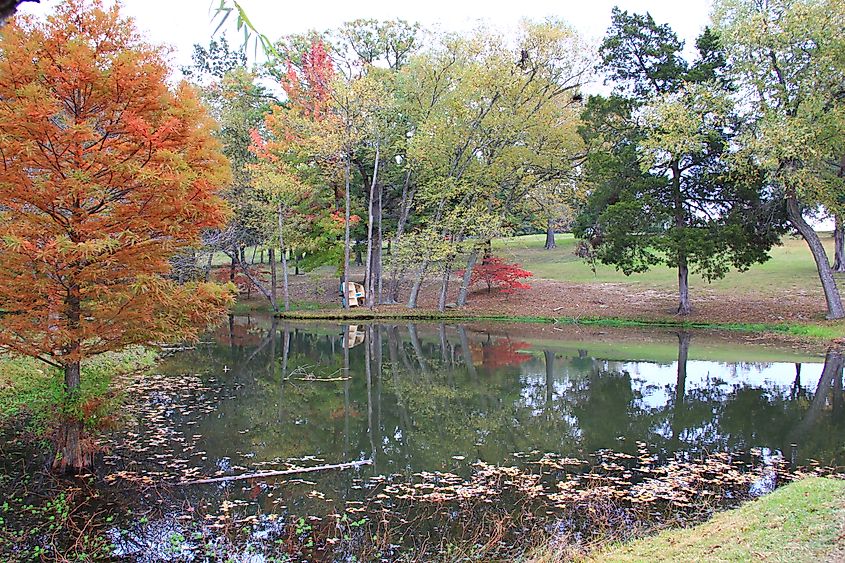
(434, 399)
(412, 397)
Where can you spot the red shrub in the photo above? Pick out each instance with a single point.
(495, 272)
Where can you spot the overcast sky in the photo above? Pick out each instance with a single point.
(182, 23)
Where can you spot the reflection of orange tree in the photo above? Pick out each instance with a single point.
(238, 334)
(505, 352)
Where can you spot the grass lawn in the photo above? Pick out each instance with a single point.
(790, 268)
(802, 521)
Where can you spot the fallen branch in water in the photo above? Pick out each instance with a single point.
(309, 376)
(165, 348)
(265, 474)
(320, 378)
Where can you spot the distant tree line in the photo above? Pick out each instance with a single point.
(426, 146)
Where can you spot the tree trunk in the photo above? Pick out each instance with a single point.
(415, 290)
(377, 263)
(208, 266)
(264, 291)
(404, 211)
(370, 287)
(550, 235)
(831, 292)
(73, 455)
(839, 246)
(273, 278)
(283, 250)
(680, 225)
(346, 205)
(444, 286)
(839, 231)
(464, 291)
(683, 286)
(359, 256)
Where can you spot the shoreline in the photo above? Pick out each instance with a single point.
(812, 331)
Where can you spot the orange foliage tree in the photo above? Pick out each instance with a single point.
(105, 172)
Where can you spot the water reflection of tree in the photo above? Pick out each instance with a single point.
(745, 416)
(816, 434)
(713, 417)
(606, 408)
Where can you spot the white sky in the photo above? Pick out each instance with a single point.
(182, 23)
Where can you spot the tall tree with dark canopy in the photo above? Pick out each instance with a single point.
(661, 191)
(105, 172)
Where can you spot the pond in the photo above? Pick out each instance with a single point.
(414, 397)
(480, 437)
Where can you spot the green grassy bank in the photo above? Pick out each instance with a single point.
(790, 268)
(802, 521)
(35, 391)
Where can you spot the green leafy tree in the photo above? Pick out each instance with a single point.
(447, 140)
(662, 191)
(502, 120)
(787, 58)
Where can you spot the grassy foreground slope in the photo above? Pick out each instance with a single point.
(802, 521)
